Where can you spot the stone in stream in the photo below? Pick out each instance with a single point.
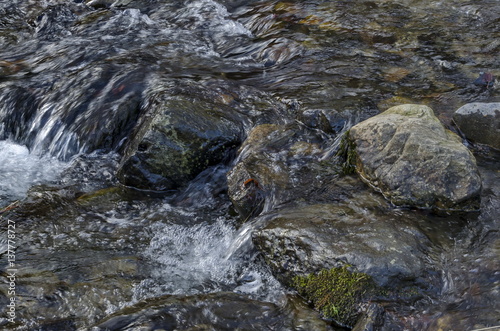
(278, 163)
(480, 122)
(181, 140)
(306, 239)
(254, 173)
(188, 127)
(408, 155)
(214, 311)
(316, 219)
(362, 233)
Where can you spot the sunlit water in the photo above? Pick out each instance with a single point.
(74, 77)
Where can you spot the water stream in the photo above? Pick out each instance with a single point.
(75, 76)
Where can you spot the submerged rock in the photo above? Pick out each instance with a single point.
(360, 231)
(217, 311)
(480, 122)
(307, 239)
(408, 155)
(276, 164)
(183, 138)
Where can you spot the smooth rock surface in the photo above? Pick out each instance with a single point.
(408, 155)
(306, 239)
(480, 122)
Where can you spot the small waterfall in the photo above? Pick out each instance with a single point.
(52, 136)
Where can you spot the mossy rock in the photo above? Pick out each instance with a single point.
(347, 154)
(114, 192)
(337, 292)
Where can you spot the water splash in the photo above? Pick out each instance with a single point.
(211, 16)
(20, 169)
(202, 258)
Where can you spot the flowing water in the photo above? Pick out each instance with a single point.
(76, 75)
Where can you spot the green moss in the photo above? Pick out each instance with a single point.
(92, 197)
(347, 154)
(337, 292)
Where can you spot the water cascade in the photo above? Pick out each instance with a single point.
(237, 97)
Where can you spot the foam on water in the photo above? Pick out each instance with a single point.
(20, 169)
(214, 16)
(193, 259)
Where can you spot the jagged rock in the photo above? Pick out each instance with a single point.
(408, 155)
(480, 122)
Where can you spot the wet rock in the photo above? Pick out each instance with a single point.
(217, 311)
(480, 122)
(395, 74)
(276, 164)
(181, 140)
(407, 155)
(371, 320)
(316, 119)
(485, 79)
(307, 239)
(44, 199)
(253, 173)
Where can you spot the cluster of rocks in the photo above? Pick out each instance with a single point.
(405, 153)
(311, 216)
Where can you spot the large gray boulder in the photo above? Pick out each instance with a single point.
(480, 122)
(408, 155)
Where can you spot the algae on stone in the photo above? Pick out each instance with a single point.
(184, 138)
(336, 292)
(347, 154)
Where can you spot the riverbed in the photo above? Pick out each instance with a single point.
(92, 254)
